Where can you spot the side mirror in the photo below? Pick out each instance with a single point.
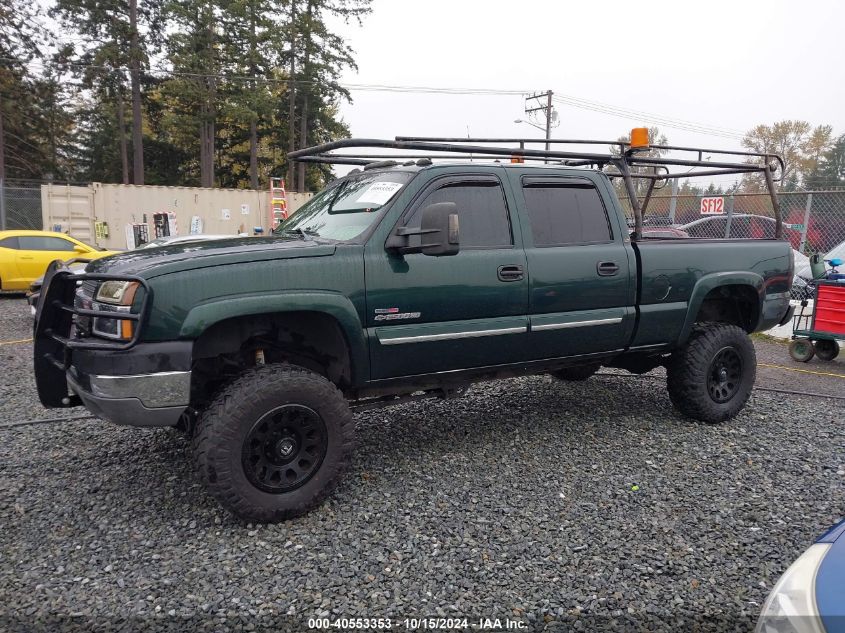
(79, 249)
(439, 232)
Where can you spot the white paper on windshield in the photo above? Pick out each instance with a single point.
(379, 192)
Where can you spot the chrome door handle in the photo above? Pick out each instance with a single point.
(607, 269)
(510, 273)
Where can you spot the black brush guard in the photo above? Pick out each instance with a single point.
(54, 325)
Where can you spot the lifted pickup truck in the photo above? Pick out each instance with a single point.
(400, 281)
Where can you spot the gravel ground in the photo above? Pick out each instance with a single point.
(586, 506)
(777, 369)
(18, 396)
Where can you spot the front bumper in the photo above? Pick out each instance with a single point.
(148, 385)
(157, 399)
(126, 382)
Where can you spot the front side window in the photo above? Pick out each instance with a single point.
(347, 208)
(564, 213)
(9, 242)
(482, 213)
(40, 243)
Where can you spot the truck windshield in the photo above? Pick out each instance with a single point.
(346, 209)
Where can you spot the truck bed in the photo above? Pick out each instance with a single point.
(674, 275)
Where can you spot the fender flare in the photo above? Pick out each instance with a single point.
(334, 304)
(710, 282)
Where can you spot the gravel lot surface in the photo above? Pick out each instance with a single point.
(561, 505)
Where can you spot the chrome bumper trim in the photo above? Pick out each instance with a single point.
(448, 336)
(563, 326)
(164, 389)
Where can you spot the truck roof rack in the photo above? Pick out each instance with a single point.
(655, 169)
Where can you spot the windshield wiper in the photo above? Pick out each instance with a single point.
(305, 234)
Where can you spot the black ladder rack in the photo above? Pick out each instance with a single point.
(628, 163)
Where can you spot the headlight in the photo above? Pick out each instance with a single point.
(119, 293)
(115, 296)
(791, 606)
(119, 329)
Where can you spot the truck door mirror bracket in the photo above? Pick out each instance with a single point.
(439, 232)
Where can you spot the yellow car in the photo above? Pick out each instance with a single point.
(25, 255)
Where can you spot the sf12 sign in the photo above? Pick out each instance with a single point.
(712, 206)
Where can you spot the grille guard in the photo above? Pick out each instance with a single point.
(53, 348)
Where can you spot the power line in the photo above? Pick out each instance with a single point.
(577, 102)
(599, 104)
(658, 119)
(281, 80)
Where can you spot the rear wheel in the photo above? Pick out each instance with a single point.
(711, 377)
(827, 350)
(273, 443)
(801, 349)
(576, 373)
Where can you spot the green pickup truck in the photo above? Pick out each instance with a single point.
(399, 280)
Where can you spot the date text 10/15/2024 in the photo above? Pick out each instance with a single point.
(415, 624)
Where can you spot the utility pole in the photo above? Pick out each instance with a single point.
(547, 110)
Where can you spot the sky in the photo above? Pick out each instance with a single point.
(717, 67)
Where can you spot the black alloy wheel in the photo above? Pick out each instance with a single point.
(724, 375)
(285, 448)
(274, 442)
(710, 378)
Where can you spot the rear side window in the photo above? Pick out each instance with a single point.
(563, 213)
(482, 212)
(45, 244)
(9, 242)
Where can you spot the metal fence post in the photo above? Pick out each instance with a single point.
(803, 243)
(2, 204)
(730, 216)
(673, 201)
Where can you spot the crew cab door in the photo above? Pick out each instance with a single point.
(430, 314)
(581, 293)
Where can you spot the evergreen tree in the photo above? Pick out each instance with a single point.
(109, 42)
(34, 122)
(247, 35)
(316, 57)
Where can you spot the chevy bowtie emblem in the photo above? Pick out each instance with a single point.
(393, 314)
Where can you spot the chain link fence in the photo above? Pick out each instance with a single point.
(814, 221)
(22, 205)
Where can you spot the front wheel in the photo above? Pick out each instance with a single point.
(711, 377)
(274, 442)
